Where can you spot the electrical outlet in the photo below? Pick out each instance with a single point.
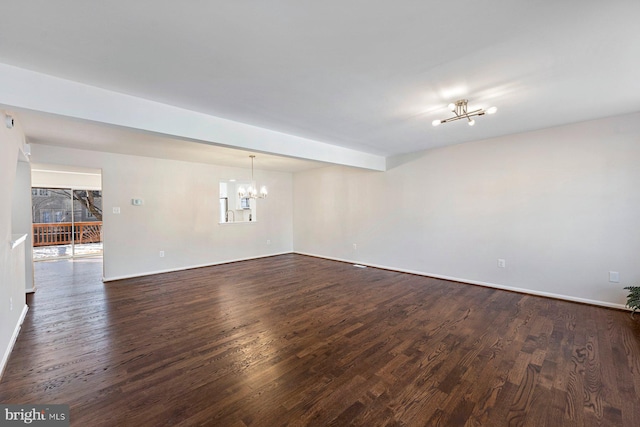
(11, 303)
(116, 211)
(355, 247)
(268, 242)
(614, 277)
(502, 263)
(161, 254)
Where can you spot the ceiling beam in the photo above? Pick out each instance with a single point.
(41, 92)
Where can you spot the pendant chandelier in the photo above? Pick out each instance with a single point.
(251, 192)
(459, 108)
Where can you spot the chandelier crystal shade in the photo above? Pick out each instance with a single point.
(251, 191)
(461, 111)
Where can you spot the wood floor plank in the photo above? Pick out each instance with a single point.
(296, 340)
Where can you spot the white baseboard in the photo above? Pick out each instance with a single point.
(171, 270)
(14, 337)
(479, 283)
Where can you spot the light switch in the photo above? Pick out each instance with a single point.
(137, 202)
(614, 277)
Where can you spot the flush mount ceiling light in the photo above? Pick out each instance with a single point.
(459, 108)
(251, 191)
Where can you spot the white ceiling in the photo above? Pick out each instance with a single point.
(367, 75)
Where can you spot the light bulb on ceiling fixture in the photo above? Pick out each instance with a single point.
(452, 107)
(492, 110)
(436, 122)
(472, 122)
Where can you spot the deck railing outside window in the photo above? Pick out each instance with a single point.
(61, 233)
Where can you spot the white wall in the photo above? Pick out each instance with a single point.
(22, 217)
(12, 287)
(180, 212)
(561, 206)
(76, 179)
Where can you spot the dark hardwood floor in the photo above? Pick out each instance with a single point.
(295, 340)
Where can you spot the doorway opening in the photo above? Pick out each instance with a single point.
(67, 223)
(67, 219)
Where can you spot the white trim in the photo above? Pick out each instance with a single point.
(24, 153)
(171, 270)
(237, 222)
(67, 172)
(16, 239)
(479, 283)
(14, 337)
